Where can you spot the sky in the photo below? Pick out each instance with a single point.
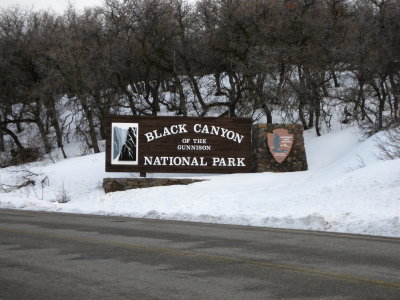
(56, 5)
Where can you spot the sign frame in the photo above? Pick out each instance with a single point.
(225, 144)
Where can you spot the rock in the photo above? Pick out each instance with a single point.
(123, 184)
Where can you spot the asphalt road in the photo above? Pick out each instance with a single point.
(63, 256)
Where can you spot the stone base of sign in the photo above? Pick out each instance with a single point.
(263, 161)
(123, 184)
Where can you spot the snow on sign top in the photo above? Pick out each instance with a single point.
(178, 144)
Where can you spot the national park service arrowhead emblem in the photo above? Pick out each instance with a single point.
(280, 142)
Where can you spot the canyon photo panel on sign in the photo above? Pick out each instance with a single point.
(124, 143)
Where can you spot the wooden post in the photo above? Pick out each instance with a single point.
(143, 174)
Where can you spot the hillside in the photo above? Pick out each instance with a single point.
(347, 189)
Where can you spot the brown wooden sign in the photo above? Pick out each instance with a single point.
(178, 144)
(280, 142)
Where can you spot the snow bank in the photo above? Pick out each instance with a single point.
(347, 189)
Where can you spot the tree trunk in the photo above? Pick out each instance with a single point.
(233, 96)
(92, 129)
(102, 128)
(42, 128)
(231, 111)
(218, 83)
(154, 92)
(59, 136)
(131, 103)
(268, 114)
(2, 143)
(396, 95)
(380, 113)
(335, 80)
(311, 117)
(301, 99)
(317, 105)
(301, 115)
(182, 100)
(56, 126)
(381, 95)
(360, 102)
(19, 127)
(197, 92)
(45, 139)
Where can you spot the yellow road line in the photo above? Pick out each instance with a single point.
(303, 271)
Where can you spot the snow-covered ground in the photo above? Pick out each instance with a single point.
(347, 189)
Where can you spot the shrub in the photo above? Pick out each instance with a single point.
(389, 143)
(62, 195)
